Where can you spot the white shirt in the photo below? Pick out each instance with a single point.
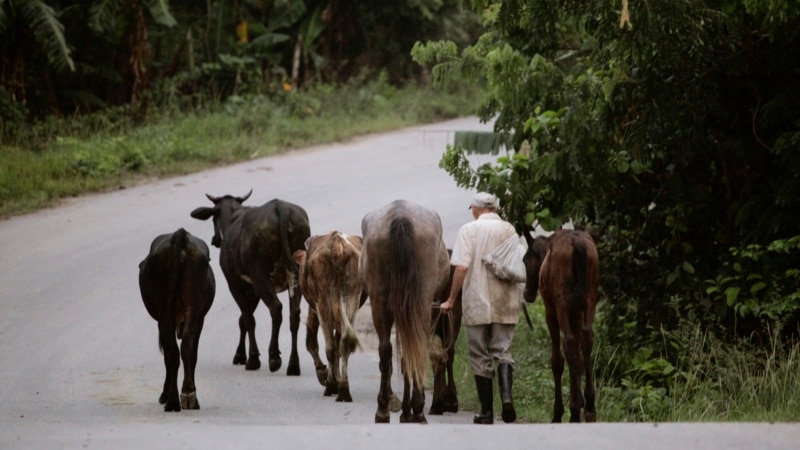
(485, 298)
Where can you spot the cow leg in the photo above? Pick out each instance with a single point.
(189, 345)
(383, 325)
(312, 344)
(556, 362)
(572, 351)
(253, 357)
(438, 366)
(405, 415)
(450, 391)
(418, 404)
(169, 396)
(345, 350)
(240, 357)
(248, 301)
(266, 291)
(331, 383)
(590, 411)
(295, 298)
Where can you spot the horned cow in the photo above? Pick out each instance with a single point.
(256, 247)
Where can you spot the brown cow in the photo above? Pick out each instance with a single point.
(329, 282)
(177, 287)
(564, 268)
(404, 264)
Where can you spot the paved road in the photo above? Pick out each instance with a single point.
(79, 361)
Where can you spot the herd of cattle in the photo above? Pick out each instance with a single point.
(269, 249)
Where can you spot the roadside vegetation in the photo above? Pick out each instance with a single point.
(670, 131)
(714, 381)
(65, 157)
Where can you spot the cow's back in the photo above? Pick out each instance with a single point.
(263, 239)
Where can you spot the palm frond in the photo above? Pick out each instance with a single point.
(160, 11)
(102, 15)
(49, 32)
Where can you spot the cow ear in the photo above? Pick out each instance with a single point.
(202, 213)
(300, 257)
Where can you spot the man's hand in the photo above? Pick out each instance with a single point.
(448, 304)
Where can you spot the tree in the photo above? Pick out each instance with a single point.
(33, 41)
(669, 128)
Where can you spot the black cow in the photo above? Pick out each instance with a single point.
(445, 328)
(256, 255)
(177, 286)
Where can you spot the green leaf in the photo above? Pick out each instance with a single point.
(757, 287)
(731, 294)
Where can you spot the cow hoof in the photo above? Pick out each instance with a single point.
(436, 409)
(293, 369)
(189, 400)
(451, 407)
(162, 399)
(254, 363)
(590, 416)
(413, 418)
(239, 360)
(173, 406)
(275, 364)
(330, 390)
(382, 417)
(395, 404)
(322, 376)
(344, 396)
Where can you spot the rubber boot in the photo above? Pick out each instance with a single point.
(504, 378)
(486, 397)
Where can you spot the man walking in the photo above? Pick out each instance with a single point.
(491, 305)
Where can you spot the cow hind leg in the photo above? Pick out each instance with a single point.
(556, 364)
(253, 358)
(573, 353)
(276, 314)
(189, 345)
(438, 367)
(312, 345)
(346, 348)
(169, 396)
(331, 350)
(240, 357)
(590, 411)
(450, 391)
(295, 298)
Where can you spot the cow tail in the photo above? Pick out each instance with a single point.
(176, 261)
(411, 314)
(283, 221)
(349, 335)
(580, 267)
(344, 263)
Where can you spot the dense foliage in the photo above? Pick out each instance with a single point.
(70, 57)
(672, 130)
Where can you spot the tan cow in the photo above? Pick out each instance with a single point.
(329, 282)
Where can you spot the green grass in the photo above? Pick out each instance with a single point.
(714, 382)
(61, 158)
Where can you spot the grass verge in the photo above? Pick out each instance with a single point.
(62, 158)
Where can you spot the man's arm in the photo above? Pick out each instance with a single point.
(459, 274)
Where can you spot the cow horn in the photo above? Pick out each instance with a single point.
(212, 198)
(242, 199)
